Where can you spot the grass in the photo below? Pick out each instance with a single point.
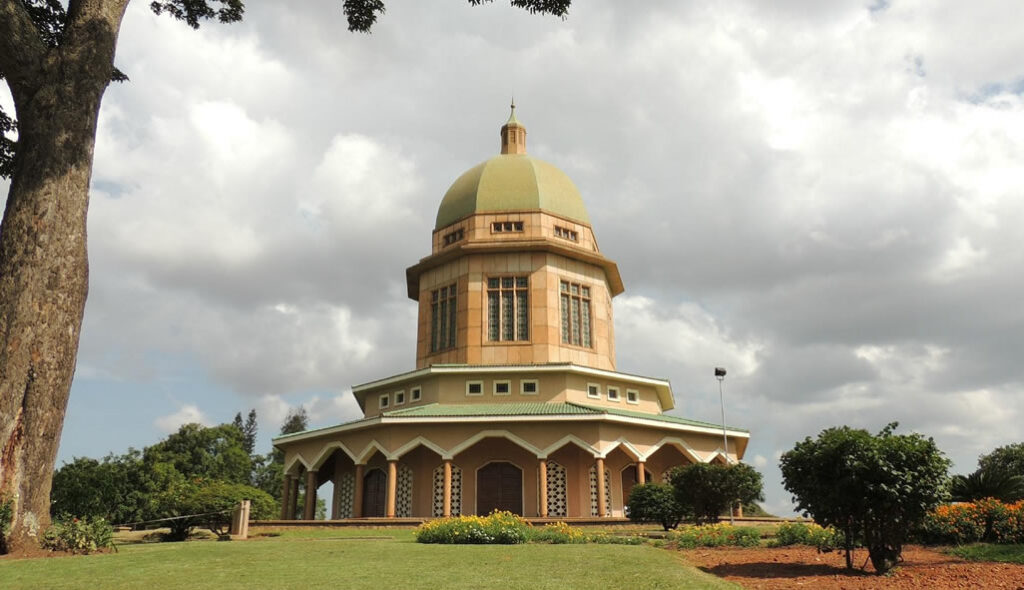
(359, 558)
(989, 552)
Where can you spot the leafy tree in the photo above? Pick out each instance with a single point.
(1007, 459)
(57, 64)
(196, 451)
(248, 430)
(114, 488)
(655, 502)
(987, 484)
(874, 489)
(268, 471)
(707, 490)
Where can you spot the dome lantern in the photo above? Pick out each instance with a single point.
(513, 134)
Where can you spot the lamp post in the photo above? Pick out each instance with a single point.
(720, 375)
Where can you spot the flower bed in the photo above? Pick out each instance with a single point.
(970, 522)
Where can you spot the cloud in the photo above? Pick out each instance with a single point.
(187, 414)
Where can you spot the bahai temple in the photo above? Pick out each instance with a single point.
(515, 402)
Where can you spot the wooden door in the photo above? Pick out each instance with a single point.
(375, 489)
(499, 486)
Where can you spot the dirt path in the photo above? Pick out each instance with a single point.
(804, 567)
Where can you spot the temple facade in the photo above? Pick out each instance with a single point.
(515, 402)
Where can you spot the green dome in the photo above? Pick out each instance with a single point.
(512, 182)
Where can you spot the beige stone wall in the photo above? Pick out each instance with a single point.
(545, 271)
(537, 225)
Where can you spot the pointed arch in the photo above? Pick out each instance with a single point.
(289, 464)
(368, 451)
(570, 438)
(420, 441)
(495, 434)
(627, 448)
(679, 444)
(326, 452)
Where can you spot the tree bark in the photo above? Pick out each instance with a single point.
(43, 262)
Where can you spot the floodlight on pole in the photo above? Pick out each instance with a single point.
(720, 375)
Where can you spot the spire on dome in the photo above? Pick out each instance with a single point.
(513, 134)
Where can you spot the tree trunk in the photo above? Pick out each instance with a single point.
(43, 263)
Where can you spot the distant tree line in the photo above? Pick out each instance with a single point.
(196, 470)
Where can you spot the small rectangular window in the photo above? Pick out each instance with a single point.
(593, 390)
(528, 387)
(414, 394)
(499, 227)
(632, 396)
(613, 394)
(399, 398)
(474, 387)
(385, 401)
(502, 387)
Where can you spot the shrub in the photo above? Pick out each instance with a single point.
(499, 528)
(655, 502)
(810, 534)
(79, 535)
(557, 533)
(6, 516)
(716, 535)
(985, 520)
(707, 490)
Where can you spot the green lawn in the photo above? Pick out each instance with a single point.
(345, 558)
(988, 552)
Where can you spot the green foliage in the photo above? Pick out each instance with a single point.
(79, 535)
(558, 533)
(192, 503)
(248, 430)
(990, 483)
(499, 528)
(716, 535)
(1007, 459)
(115, 488)
(6, 517)
(985, 552)
(707, 490)
(810, 534)
(874, 489)
(655, 502)
(987, 520)
(196, 451)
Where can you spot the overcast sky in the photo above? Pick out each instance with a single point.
(823, 197)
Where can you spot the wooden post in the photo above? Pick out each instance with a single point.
(310, 509)
(602, 508)
(392, 487)
(447, 488)
(357, 496)
(543, 463)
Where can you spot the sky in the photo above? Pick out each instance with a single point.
(825, 198)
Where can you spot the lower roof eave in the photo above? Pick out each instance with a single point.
(389, 420)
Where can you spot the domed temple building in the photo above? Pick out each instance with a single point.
(515, 402)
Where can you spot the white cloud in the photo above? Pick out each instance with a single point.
(186, 414)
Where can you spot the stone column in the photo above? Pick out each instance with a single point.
(392, 487)
(357, 496)
(293, 497)
(602, 508)
(447, 488)
(309, 513)
(286, 490)
(641, 477)
(543, 463)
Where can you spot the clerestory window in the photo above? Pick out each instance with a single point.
(508, 315)
(575, 304)
(442, 318)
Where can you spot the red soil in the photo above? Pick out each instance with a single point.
(804, 567)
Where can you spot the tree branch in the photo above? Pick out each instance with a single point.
(21, 47)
